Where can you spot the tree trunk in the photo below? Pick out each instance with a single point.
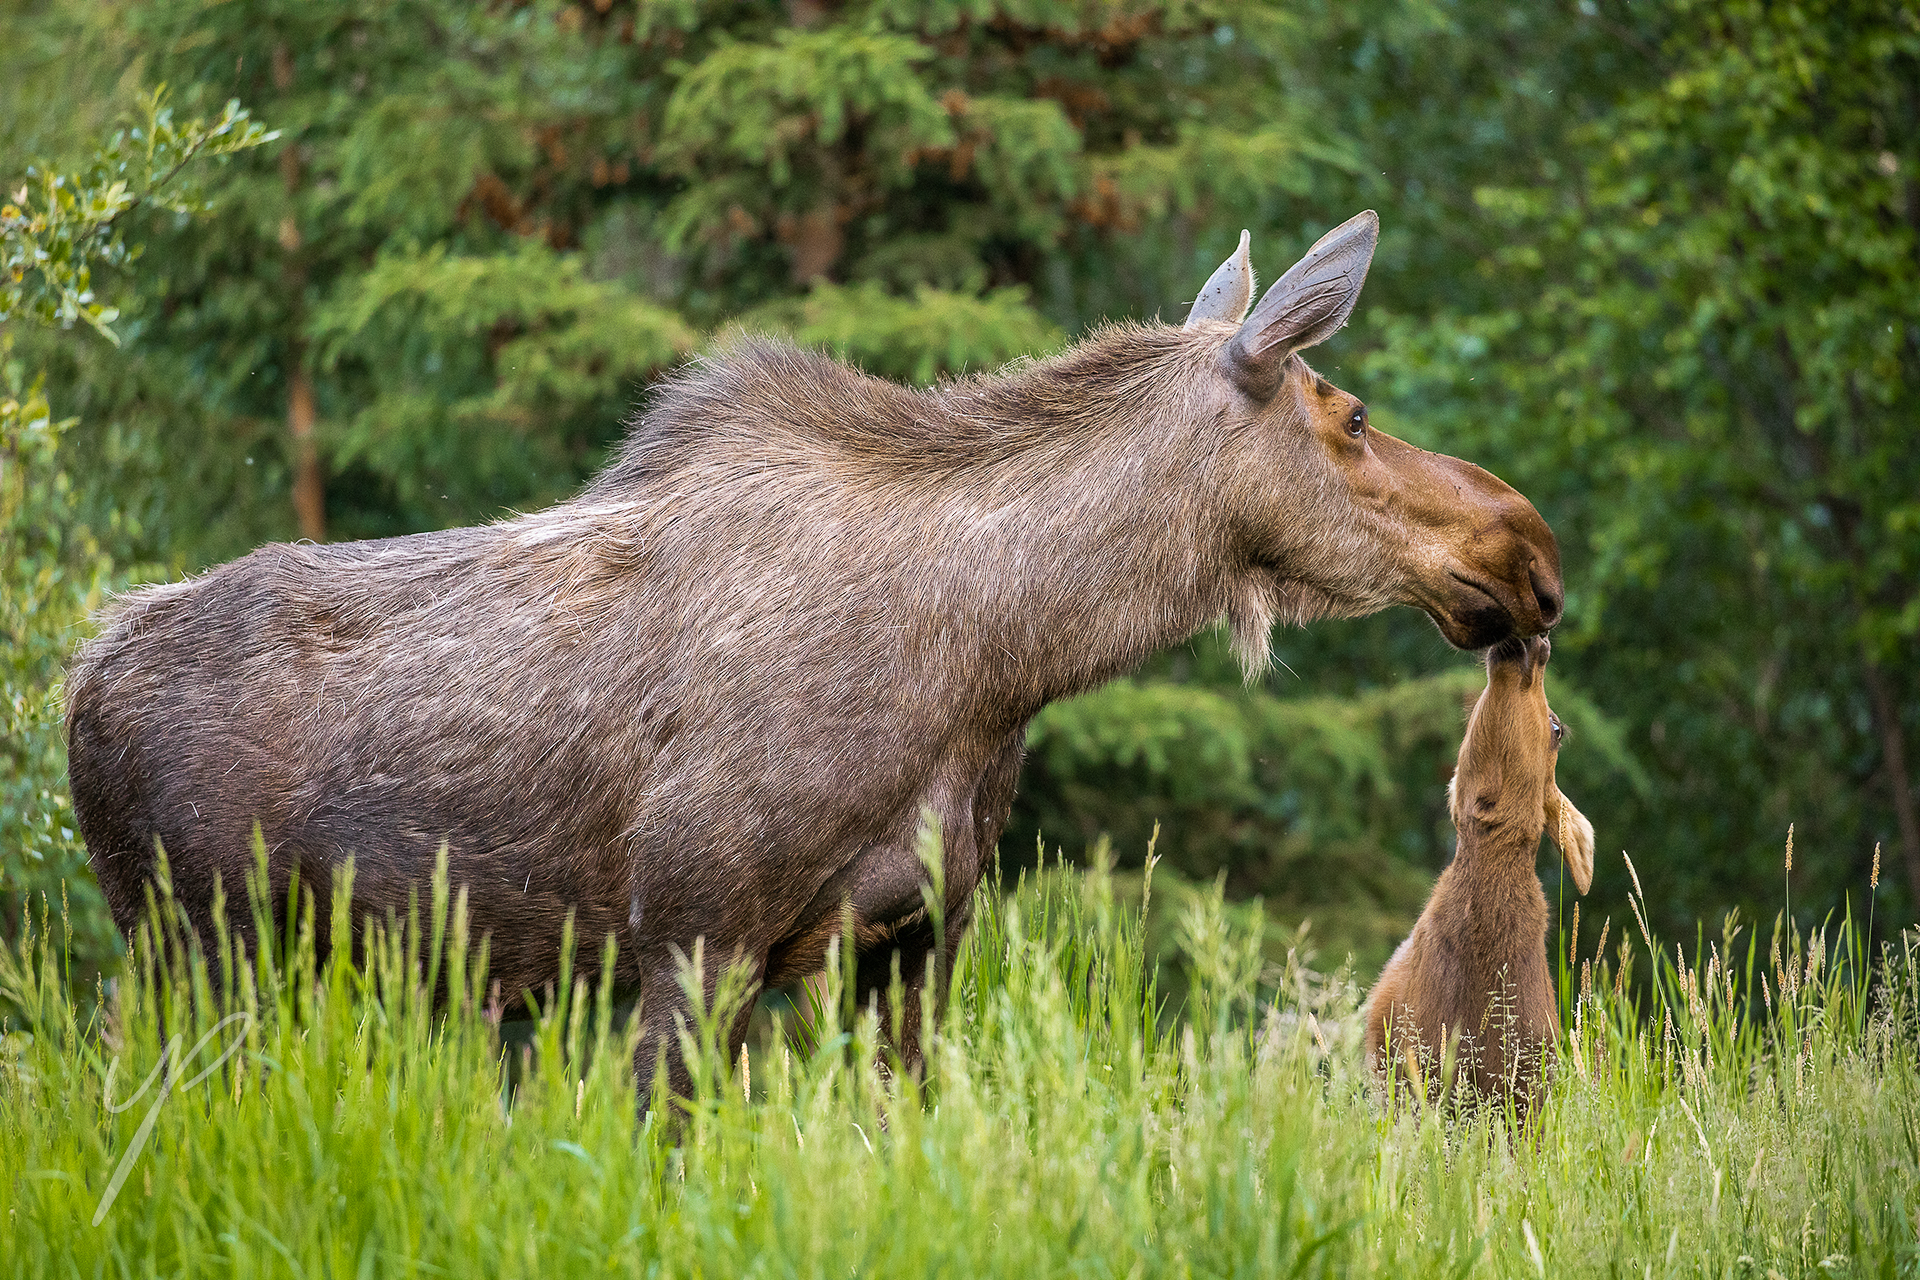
(1893, 749)
(309, 483)
(815, 240)
(309, 488)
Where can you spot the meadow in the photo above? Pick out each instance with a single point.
(1746, 1104)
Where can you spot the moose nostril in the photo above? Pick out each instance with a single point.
(1547, 596)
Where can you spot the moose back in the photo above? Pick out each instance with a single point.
(713, 695)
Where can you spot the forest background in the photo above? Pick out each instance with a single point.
(1657, 265)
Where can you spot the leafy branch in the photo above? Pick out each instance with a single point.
(57, 226)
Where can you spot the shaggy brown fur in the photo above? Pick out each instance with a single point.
(712, 696)
(1475, 965)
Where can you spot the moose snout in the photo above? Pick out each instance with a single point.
(1530, 577)
(1498, 571)
(1523, 654)
(1529, 583)
(1548, 595)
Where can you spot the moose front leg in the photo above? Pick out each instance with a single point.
(921, 954)
(726, 982)
(968, 823)
(901, 925)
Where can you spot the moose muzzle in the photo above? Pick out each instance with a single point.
(1491, 571)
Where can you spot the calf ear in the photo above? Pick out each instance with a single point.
(1227, 291)
(1305, 306)
(1569, 829)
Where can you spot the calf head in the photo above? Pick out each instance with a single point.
(1347, 518)
(1504, 780)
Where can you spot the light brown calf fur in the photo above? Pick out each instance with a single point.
(1475, 965)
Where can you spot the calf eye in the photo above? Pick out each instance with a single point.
(1357, 424)
(1558, 732)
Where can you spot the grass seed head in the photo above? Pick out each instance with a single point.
(1873, 878)
(1642, 921)
(1789, 846)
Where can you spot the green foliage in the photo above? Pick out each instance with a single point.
(51, 574)
(1705, 369)
(933, 334)
(314, 1118)
(466, 358)
(772, 108)
(58, 226)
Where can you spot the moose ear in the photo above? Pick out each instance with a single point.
(1569, 829)
(1305, 306)
(1227, 291)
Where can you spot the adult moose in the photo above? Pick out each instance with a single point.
(712, 695)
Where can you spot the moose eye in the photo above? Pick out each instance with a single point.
(1558, 732)
(1357, 424)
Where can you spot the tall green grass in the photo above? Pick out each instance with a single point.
(1743, 1107)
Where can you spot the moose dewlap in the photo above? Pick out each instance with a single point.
(1474, 969)
(712, 696)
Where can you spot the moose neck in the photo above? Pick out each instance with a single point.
(1497, 893)
(1020, 537)
(1087, 531)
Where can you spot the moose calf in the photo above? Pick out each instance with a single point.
(1475, 964)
